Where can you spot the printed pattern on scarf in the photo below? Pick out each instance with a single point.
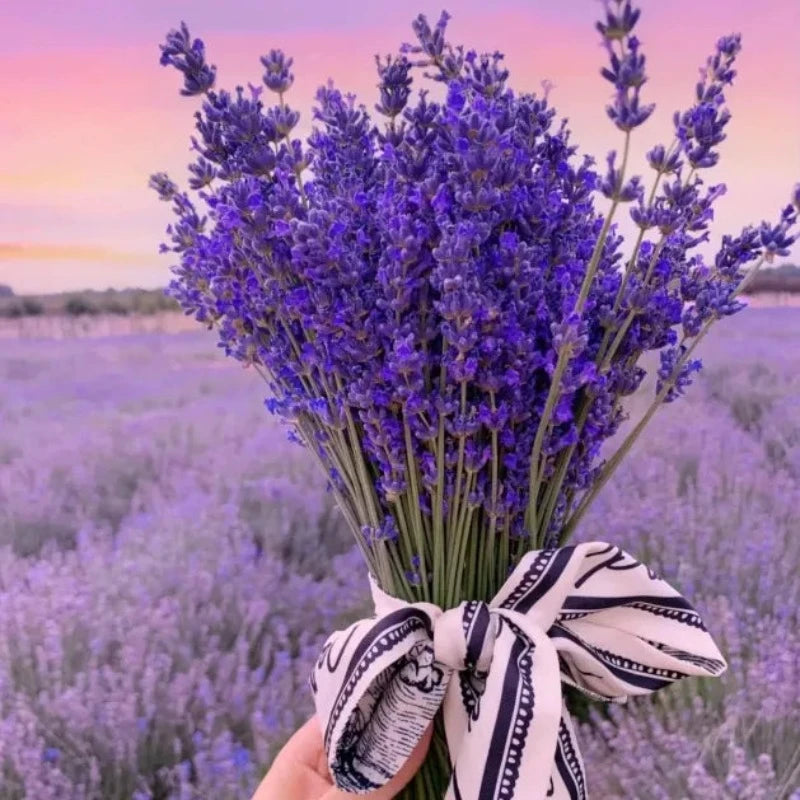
(590, 616)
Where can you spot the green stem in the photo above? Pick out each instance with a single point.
(418, 530)
(749, 277)
(532, 515)
(404, 541)
(453, 515)
(456, 587)
(605, 358)
(554, 486)
(503, 562)
(564, 357)
(482, 573)
(494, 493)
(367, 485)
(438, 510)
(470, 589)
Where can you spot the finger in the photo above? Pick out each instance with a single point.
(299, 771)
(403, 777)
(306, 747)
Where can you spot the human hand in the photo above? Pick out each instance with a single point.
(300, 771)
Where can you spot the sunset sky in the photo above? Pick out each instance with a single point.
(88, 113)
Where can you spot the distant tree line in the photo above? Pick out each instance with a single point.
(85, 303)
(785, 278)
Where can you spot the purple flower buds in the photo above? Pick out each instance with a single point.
(277, 76)
(188, 56)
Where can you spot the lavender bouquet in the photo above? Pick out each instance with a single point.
(450, 326)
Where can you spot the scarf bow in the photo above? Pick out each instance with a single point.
(590, 616)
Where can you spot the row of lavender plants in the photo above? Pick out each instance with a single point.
(161, 594)
(166, 578)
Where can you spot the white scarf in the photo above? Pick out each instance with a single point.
(590, 616)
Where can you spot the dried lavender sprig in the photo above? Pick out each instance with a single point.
(627, 74)
(769, 240)
(664, 161)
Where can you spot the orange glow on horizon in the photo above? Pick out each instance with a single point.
(68, 252)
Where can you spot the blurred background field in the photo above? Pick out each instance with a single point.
(111, 312)
(169, 565)
(87, 303)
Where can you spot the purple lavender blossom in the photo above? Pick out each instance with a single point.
(188, 56)
(277, 77)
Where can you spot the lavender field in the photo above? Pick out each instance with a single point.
(169, 565)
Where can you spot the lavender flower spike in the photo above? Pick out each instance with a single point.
(188, 56)
(277, 75)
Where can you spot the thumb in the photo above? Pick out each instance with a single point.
(396, 784)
